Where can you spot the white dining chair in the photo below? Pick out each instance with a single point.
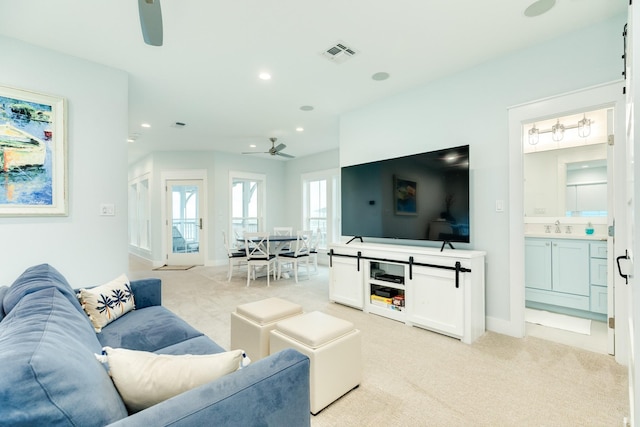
(299, 255)
(283, 231)
(313, 249)
(237, 258)
(257, 250)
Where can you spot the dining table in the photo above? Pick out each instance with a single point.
(277, 245)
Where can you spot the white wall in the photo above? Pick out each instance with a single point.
(85, 247)
(471, 108)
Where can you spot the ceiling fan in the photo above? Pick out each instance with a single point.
(274, 151)
(151, 21)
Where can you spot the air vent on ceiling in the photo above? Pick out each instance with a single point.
(178, 125)
(339, 52)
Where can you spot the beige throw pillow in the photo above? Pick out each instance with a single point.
(144, 379)
(104, 304)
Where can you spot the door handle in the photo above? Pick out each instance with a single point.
(200, 223)
(625, 276)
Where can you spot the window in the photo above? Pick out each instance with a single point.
(139, 221)
(247, 202)
(320, 205)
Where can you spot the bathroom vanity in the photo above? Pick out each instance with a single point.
(567, 274)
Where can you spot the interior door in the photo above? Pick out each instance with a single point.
(632, 72)
(185, 225)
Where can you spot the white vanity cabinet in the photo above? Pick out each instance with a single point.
(598, 276)
(562, 272)
(439, 291)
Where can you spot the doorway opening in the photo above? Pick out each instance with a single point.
(566, 212)
(552, 247)
(184, 224)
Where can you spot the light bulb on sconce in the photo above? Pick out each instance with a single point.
(534, 135)
(584, 127)
(557, 131)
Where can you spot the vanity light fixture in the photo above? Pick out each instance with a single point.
(557, 130)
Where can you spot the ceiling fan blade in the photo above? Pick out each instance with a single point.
(289, 156)
(255, 152)
(151, 21)
(280, 147)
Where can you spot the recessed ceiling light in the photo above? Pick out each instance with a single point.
(264, 76)
(306, 108)
(539, 7)
(380, 76)
(146, 125)
(300, 129)
(129, 140)
(252, 145)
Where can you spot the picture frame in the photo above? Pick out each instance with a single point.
(33, 154)
(405, 196)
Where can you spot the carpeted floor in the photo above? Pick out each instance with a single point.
(414, 377)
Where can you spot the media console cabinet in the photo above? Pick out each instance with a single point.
(442, 291)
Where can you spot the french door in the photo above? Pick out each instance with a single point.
(184, 226)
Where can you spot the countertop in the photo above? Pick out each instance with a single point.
(576, 236)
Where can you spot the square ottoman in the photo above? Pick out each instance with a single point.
(334, 349)
(252, 322)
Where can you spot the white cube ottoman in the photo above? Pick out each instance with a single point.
(251, 323)
(334, 349)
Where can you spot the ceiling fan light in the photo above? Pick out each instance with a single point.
(584, 127)
(557, 131)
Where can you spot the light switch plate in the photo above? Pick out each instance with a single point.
(499, 205)
(107, 209)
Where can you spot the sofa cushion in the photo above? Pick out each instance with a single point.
(3, 292)
(48, 370)
(40, 277)
(196, 345)
(149, 329)
(105, 303)
(144, 379)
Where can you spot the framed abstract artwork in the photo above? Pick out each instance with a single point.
(404, 192)
(33, 154)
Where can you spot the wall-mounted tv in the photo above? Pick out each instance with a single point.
(418, 197)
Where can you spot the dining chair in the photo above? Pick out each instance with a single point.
(236, 257)
(313, 249)
(256, 246)
(299, 255)
(283, 231)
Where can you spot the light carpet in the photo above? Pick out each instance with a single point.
(558, 321)
(414, 377)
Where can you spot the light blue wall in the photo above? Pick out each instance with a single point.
(86, 247)
(471, 108)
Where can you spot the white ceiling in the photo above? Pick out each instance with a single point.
(206, 73)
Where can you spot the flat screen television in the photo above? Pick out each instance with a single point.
(418, 197)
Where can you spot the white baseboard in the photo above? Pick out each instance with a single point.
(504, 327)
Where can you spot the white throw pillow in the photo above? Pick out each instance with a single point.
(144, 379)
(104, 304)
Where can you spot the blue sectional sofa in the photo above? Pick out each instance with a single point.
(49, 375)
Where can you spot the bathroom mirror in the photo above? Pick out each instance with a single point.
(566, 177)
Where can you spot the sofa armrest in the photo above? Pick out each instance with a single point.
(273, 391)
(147, 292)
